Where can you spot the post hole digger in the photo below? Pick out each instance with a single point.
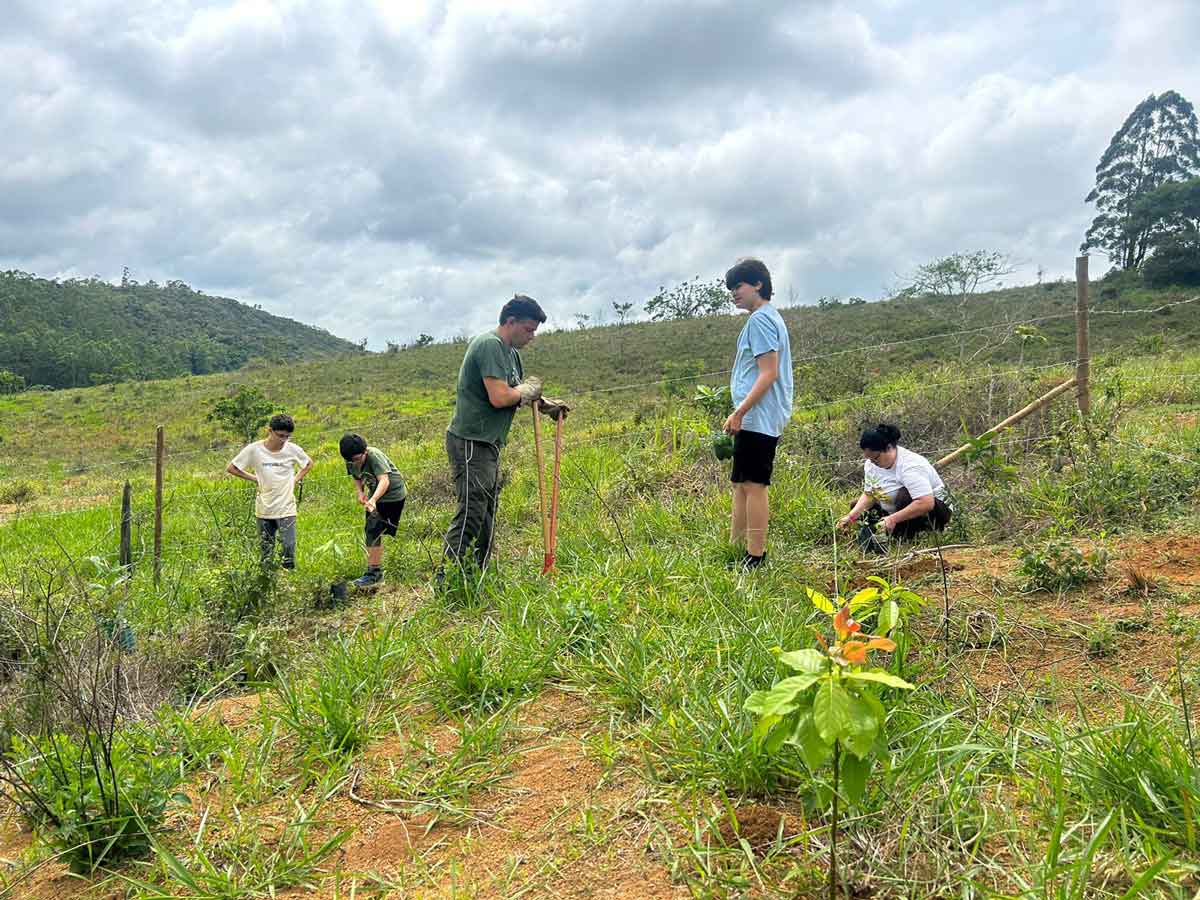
(557, 410)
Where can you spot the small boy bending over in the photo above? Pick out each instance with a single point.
(381, 493)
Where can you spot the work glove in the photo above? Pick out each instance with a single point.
(529, 389)
(555, 409)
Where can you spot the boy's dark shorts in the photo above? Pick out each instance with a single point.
(383, 521)
(753, 457)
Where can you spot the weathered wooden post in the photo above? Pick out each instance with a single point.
(1082, 358)
(127, 527)
(159, 460)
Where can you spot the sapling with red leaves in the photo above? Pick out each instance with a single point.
(829, 710)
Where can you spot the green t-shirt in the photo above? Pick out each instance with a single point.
(373, 466)
(475, 418)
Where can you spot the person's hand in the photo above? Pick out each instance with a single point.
(734, 423)
(529, 389)
(370, 505)
(555, 409)
(362, 499)
(890, 523)
(847, 520)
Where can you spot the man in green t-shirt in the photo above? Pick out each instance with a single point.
(381, 493)
(491, 385)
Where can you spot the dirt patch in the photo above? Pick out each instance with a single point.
(559, 827)
(1175, 558)
(756, 824)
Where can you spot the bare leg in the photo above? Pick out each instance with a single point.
(757, 514)
(375, 556)
(737, 517)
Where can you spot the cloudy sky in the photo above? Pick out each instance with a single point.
(386, 169)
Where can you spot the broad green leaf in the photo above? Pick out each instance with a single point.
(777, 735)
(876, 707)
(809, 660)
(807, 740)
(865, 597)
(889, 615)
(853, 774)
(831, 711)
(881, 677)
(764, 725)
(778, 701)
(860, 735)
(755, 702)
(875, 579)
(820, 601)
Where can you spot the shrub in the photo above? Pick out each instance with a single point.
(1058, 566)
(94, 798)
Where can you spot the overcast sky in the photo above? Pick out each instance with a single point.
(386, 170)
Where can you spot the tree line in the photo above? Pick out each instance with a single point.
(80, 332)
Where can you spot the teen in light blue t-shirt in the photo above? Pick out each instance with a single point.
(764, 332)
(761, 389)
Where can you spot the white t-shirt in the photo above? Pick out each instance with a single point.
(276, 477)
(910, 470)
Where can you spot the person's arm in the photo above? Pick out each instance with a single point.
(238, 473)
(304, 471)
(768, 372)
(500, 395)
(861, 506)
(380, 489)
(358, 487)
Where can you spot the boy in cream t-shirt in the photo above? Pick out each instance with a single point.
(276, 466)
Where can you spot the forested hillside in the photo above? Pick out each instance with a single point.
(80, 332)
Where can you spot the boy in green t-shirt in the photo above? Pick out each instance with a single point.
(381, 492)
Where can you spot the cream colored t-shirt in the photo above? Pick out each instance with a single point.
(276, 473)
(911, 471)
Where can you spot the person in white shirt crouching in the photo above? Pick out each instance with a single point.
(901, 489)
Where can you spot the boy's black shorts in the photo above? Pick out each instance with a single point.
(753, 457)
(383, 521)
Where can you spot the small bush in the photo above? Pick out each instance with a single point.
(1058, 566)
(94, 800)
(17, 492)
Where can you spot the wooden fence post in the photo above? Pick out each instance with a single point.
(1082, 358)
(127, 527)
(159, 460)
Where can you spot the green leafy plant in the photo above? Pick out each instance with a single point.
(1059, 565)
(1101, 639)
(829, 710)
(715, 401)
(94, 798)
(890, 606)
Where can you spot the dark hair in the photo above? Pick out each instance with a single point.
(351, 445)
(879, 438)
(282, 422)
(750, 271)
(522, 307)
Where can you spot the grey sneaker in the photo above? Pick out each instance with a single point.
(371, 578)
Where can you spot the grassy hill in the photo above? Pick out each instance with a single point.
(586, 734)
(842, 351)
(81, 332)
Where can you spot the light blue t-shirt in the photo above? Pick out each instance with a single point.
(763, 332)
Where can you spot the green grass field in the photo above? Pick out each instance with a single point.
(585, 734)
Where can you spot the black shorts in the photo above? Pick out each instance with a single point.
(753, 457)
(383, 521)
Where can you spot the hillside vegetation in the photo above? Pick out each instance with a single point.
(82, 332)
(841, 351)
(587, 734)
